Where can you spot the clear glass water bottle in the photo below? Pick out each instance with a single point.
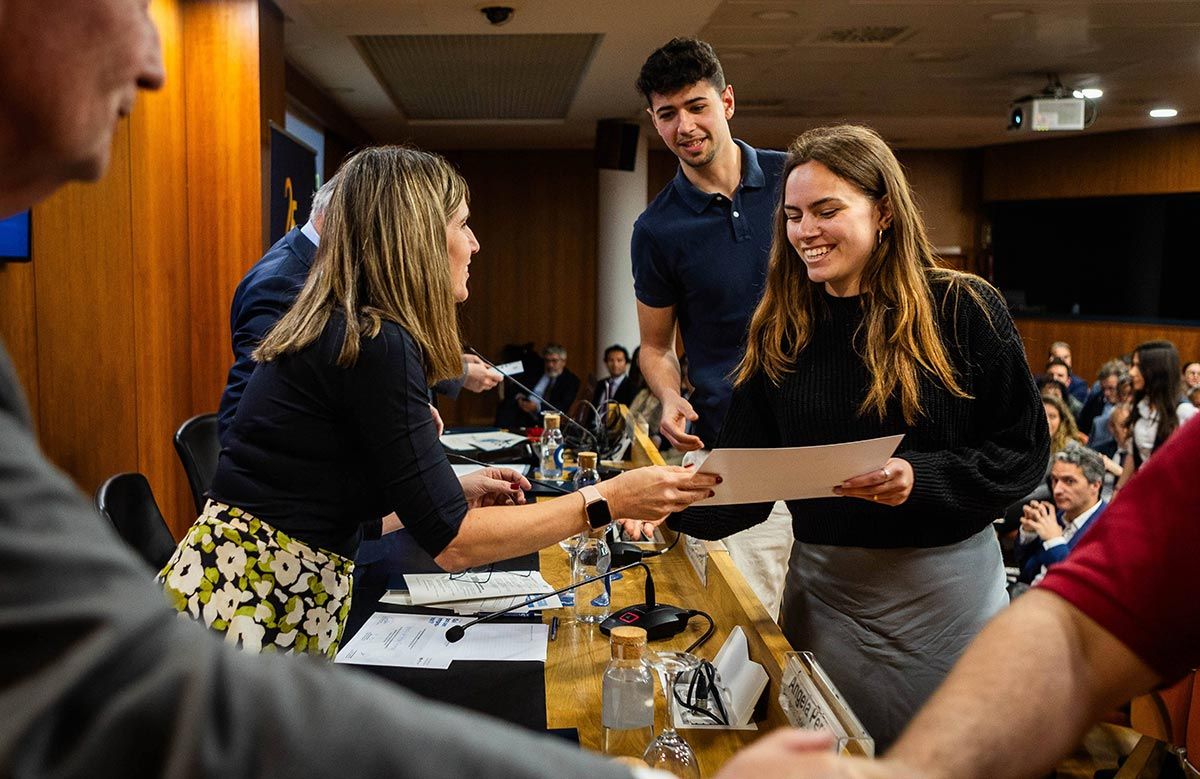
(591, 600)
(552, 446)
(585, 475)
(627, 708)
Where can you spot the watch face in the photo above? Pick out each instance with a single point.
(598, 513)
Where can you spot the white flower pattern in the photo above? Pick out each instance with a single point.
(245, 565)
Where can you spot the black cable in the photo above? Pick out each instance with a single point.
(712, 628)
(704, 687)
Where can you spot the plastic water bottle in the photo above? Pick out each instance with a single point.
(552, 446)
(627, 710)
(586, 474)
(591, 600)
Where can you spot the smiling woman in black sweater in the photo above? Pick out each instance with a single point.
(860, 334)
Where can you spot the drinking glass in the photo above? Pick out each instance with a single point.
(669, 752)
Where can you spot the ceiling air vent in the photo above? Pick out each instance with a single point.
(479, 77)
(861, 36)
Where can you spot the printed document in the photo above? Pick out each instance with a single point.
(419, 641)
(792, 473)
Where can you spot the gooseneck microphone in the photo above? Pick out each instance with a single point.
(456, 632)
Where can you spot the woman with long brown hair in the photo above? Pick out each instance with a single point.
(1159, 406)
(861, 334)
(334, 430)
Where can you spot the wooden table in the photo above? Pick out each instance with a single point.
(576, 660)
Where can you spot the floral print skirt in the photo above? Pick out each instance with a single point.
(264, 590)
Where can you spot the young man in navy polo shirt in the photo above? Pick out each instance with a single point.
(700, 254)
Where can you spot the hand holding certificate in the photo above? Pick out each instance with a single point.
(794, 473)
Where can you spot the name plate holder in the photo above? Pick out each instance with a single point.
(696, 550)
(811, 702)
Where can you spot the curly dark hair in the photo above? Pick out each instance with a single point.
(680, 63)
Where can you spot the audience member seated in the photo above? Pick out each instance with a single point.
(1057, 369)
(1076, 386)
(557, 385)
(617, 386)
(1093, 420)
(1157, 410)
(1191, 376)
(1194, 396)
(1049, 531)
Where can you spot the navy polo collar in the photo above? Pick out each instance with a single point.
(698, 200)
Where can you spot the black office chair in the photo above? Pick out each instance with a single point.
(198, 446)
(128, 503)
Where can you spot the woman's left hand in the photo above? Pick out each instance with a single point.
(890, 485)
(494, 487)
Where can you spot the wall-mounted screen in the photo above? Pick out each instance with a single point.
(14, 238)
(1130, 257)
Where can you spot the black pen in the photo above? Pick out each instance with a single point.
(553, 628)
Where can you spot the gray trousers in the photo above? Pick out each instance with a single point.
(888, 624)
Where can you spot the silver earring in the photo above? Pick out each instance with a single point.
(879, 237)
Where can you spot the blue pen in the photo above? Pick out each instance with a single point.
(553, 628)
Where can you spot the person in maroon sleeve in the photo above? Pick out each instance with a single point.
(1119, 617)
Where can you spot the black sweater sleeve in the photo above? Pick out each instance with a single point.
(389, 410)
(1012, 441)
(748, 425)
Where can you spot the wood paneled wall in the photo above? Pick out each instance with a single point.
(1092, 343)
(534, 279)
(119, 327)
(1136, 162)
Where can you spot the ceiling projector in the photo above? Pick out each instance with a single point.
(1041, 114)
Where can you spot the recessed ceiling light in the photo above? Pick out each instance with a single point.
(1091, 93)
(1008, 16)
(774, 16)
(1163, 113)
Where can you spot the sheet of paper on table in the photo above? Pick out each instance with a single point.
(792, 473)
(484, 441)
(430, 588)
(419, 641)
(469, 468)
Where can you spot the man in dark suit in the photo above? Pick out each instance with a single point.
(557, 385)
(617, 386)
(264, 294)
(1047, 536)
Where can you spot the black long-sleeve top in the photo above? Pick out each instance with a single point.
(319, 451)
(970, 457)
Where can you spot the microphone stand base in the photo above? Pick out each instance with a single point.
(659, 621)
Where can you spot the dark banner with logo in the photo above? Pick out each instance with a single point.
(293, 182)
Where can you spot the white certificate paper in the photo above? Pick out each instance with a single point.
(792, 473)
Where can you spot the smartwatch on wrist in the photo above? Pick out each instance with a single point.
(598, 514)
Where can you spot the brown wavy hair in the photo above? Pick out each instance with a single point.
(1068, 431)
(382, 257)
(900, 333)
